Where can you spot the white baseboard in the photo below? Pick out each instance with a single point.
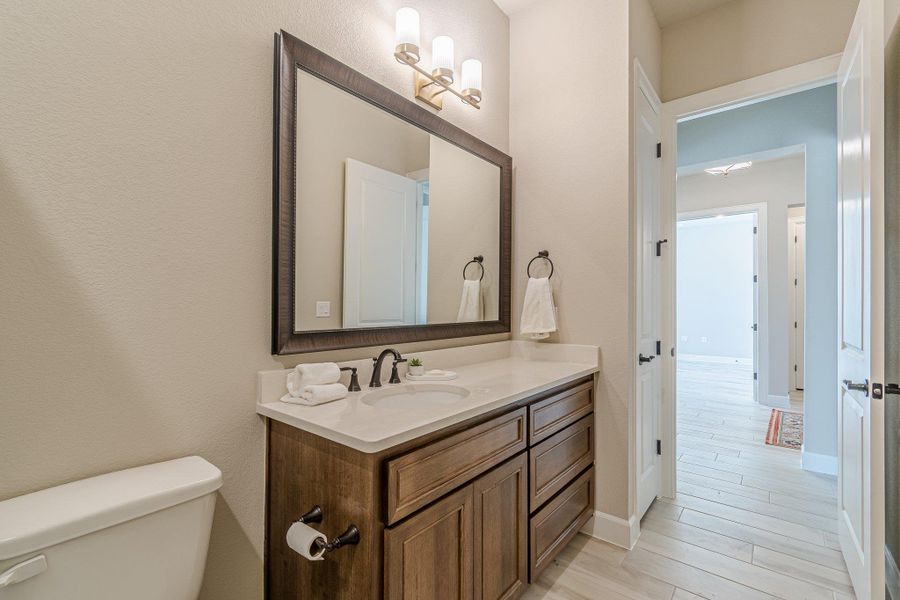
(818, 463)
(708, 358)
(774, 401)
(612, 529)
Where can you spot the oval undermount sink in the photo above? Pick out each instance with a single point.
(415, 396)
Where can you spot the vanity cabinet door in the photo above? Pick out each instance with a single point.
(501, 531)
(431, 555)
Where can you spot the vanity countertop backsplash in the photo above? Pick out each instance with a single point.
(490, 376)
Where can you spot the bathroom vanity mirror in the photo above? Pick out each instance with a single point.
(391, 225)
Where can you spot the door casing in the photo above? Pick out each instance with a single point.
(786, 81)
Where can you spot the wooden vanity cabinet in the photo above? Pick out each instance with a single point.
(501, 531)
(432, 554)
(472, 543)
(471, 512)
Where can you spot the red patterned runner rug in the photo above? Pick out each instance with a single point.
(785, 429)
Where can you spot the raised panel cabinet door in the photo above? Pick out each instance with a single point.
(431, 555)
(501, 531)
(422, 476)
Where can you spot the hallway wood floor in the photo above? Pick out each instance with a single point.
(747, 523)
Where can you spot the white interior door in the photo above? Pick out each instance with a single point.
(648, 379)
(798, 273)
(860, 302)
(380, 247)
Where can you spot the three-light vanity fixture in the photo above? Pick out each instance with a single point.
(430, 86)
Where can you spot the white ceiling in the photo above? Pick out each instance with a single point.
(672, 11)
(511, 6)
(666, 11)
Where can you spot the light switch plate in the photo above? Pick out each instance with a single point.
(323, 309)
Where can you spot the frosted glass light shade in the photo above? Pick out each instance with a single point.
(442, 53)
(471, 74)
(407, 27)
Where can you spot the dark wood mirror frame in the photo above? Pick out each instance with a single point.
(291, 54)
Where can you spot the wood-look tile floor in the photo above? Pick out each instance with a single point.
(747, 523)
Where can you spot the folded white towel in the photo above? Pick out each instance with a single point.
(470, 306)
(318, 394)
(538, 311)
(311, 374)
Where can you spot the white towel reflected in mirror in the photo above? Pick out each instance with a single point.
(471, 307)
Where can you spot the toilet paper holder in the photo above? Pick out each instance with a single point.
(313, 515)
(350, 537)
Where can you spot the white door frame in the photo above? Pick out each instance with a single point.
(761, 304)
(794, 273)
(800, 77)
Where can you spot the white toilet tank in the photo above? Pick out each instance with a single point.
(137, 534)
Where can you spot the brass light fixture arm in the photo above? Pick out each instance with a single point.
(431, 80)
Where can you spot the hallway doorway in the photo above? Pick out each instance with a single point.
(718, 293)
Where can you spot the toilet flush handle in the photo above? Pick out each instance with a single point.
(23, 570)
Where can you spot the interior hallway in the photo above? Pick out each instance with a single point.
(747, 523)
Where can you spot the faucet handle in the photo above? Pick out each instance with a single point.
(395, 377)
(354, 380)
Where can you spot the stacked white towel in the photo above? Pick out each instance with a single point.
(315, 383)
(538, 311)
(470, 306)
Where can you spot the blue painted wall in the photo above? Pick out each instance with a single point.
(810, 119)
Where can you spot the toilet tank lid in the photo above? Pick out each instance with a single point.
(52, 516)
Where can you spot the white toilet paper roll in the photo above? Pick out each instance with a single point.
(306, 541)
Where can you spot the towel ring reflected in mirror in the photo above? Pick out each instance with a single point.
(476, 260)
(545, 254)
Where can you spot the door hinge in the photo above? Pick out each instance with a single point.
(795, 324)
(879, 391)
(755, 327)
(795, 368)
(795, 239)
(659, 446)
(658, 149)
(795, 281)
(754, 229)
(756, 279)
(755, 376)
(658, 348)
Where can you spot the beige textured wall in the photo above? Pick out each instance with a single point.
(645, 40)
(335, 126)
(571, 194)
(135, 207)
(745, 38)
(463, 220)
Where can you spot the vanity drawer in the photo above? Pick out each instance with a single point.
(559, 410)
(556, 524)
(559, 459)
(424, 475)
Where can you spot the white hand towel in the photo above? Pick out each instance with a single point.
(470, 307)
(311, 374)
(318, 394)
(538, 311)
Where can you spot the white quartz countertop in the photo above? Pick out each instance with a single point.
(372, 428)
